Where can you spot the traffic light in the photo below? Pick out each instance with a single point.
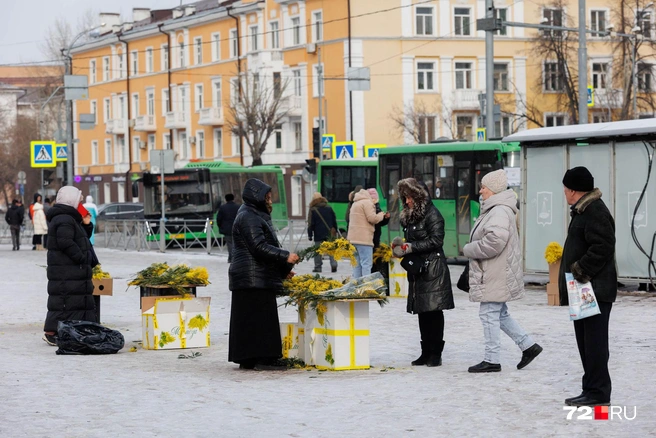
(311, 166)
(316, 143)
(48, 176)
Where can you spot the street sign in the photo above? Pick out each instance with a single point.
(590, 96)
(359, 79)
(343, 149)
(76, 87)
(371, 150)
(327, 141)
(22, 177)
(87, 121)
(62, 152)
(42, 154)
(481, 135)
(159, 157)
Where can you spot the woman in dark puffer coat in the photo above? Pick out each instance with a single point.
(430, 291)
(258, 267)
(70, 287)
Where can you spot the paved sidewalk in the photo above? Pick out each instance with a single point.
(153, 393)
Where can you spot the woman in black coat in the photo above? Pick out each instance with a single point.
(258, 267)
(70, 287)
(430, 291)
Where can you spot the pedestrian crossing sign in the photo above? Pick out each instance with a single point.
(42, 154)
(371, 150)
(481, 134)
(62, 152)
(343, 150)
(327, 141)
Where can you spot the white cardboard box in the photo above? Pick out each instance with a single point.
(342, 341)
(175, 322)
(398, 279)
(293, 340)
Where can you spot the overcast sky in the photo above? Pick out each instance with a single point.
(23, 23)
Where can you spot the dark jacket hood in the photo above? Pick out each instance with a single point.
(254, 194)
(319, 202)
(61, 209)
(410, 187)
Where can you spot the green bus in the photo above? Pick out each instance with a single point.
(194, 193)
(338, 178)
(452, 172)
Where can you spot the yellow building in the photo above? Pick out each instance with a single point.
(166, 79)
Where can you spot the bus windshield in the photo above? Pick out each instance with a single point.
(338, 182)
(179, 197)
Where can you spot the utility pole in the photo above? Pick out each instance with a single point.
(489, 71)
(583, 67)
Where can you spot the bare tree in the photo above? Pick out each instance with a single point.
(525, 111)
(15, 156)
(412, 120)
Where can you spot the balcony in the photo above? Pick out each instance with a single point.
(466, 99)
(145, 123)
(264, 58)
(115, 126)
(109, 126)
(291, 104)
(176, 120)
(211, 116)
(605, 98)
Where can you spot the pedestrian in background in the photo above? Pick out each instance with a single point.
(322, 226)
(430, 291)
(259, 266)
(362, 221)
(70, 264)
(93, 211)
(225, 219)
(37, 198)
(589, 254)
(495, 272)
(40, 226)
(350, 203)
(14, 217)
(378, 230)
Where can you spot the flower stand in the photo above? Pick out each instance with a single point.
(553, 295)
(398, 279)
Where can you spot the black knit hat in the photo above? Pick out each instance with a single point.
(579, 179)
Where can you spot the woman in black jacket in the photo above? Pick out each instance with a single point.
(70, 287)
(258, 267)
(430, 291)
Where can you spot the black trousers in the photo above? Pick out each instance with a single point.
(15, 236)
(592, 340)
(431, 327)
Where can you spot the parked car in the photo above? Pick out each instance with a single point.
(118, 211)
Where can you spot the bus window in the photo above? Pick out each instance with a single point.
(444, 177)
(464, 196)
(338, 182)
(423, 171)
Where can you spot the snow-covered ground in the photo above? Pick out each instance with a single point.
(153, 393)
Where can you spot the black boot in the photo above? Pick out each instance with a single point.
(528, 355)
(423, 359)
(435, 358)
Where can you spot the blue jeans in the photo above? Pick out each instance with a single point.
(364, 255)
(495, 317)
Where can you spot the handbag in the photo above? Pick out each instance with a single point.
(414, 263)
(463, 281)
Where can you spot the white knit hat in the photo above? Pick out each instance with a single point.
(69, 195)
(496, 181)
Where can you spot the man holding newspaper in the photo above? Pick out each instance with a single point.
(589, 256)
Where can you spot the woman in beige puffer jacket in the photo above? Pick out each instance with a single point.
(495, 272)
(362, 221)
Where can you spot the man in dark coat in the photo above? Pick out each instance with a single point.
(70, 287)
(225, 218)
(256, 273)
(322, 225)
(14, 217)
(430, 292)
(589, 254)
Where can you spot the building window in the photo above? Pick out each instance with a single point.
(94, 152)
(425, 76)
(135, 105)
(108, 151)
(424, 21)
(136, 149)
(597, 22)
(502, 14)
(317, 80)
(643, 17)
(92, 71)
(165, 101)
(151, 141)
(553, 77)
(426, 129)
(298, 136)
(150, 102)
(107, 109)
(236, 147)
(121, 59)
(183, 145)
(199, 97)
(552, 17)
(275, 34)
(256, 83)
(216, 47)
(465, 127)
(165, 57)
(599, 117)
(254, 30)
(182, 94)
(599, 75)
(297, 195)
(461, 17)
(317, 26)
(234, 43)
(501, 77)
(502, 127)
(181, 54)
(218, 143)
(198, 51)
(296, 31)
(277, 85)
(296, 77)
(463, 75)
(200, 142)
(217, 97)
(644, 73)
(278, 133)
(234, 91)
(134, 56)
(149, 60)
(121, 107)
(123, 147)
(105, 63)
(554, 120)
(167, 141)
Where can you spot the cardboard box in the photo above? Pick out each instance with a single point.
(342, 341)
(553, 300)
(293, 340)
(103, 286)
(554, 269)
(398, 279)
(175, 322)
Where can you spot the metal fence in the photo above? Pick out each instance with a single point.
(27, 231)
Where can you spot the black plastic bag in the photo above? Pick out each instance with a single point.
(463, 281)
(84, 337)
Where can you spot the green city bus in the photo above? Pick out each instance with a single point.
(194, 193)
(338, 178)
(452, 172)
